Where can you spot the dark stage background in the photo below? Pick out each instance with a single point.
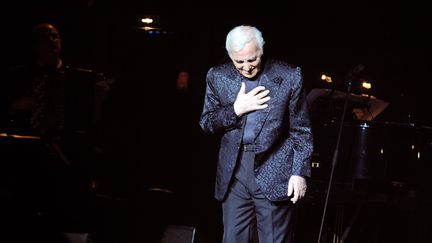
(150, 135)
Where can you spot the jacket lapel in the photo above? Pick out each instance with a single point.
(272, 84)
(234, 82)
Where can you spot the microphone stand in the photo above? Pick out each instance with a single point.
(349, 80)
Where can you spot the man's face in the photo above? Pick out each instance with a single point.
(47, 39)
(182, 80)
(248, 60)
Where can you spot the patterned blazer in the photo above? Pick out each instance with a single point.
(283, 142)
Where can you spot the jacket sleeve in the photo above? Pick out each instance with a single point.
(300, 128)
(217, 116)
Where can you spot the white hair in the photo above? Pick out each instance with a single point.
(239, 36)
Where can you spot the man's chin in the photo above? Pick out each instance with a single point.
(249, 75)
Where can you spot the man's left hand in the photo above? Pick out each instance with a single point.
(297, 185)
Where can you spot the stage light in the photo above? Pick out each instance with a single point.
(147, 20)
(151, 24)
(366, 84)
(326, 78)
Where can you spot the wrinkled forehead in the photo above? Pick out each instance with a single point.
(249, 51)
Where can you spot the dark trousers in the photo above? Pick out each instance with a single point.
(246, 205)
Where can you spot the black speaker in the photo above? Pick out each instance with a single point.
(178, 234)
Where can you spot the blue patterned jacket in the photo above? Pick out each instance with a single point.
(283, 142)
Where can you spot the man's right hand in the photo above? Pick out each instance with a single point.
(253, 100)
